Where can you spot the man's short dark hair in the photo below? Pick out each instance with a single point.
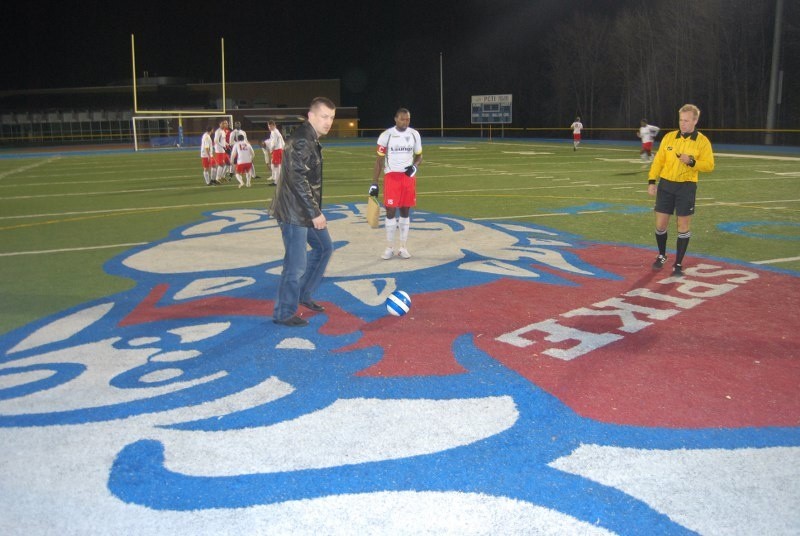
(402, 111)
(321, 101)
(240, 137)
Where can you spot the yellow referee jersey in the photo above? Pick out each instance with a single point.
(666, 164)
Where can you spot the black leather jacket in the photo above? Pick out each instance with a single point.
(298, 196)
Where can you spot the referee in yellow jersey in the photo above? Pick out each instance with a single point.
(681, 156)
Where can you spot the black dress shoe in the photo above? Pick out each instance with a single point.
(314, 306)
(292, 321)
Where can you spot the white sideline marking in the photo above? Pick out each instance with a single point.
(83, 194)
(108, 181)
(26, 168)
(737, 203)
(526, 216)
(759, 156)
(133, 209)
(776, 261)
(64, 250)
(789, 174)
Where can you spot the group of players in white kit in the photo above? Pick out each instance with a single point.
(227, 153)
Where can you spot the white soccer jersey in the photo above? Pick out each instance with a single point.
(235, 133)
(219, 141)
(399, 148)
(206, 146)
(275, 140)
(577, 126)
(648, 133)
(242, 151)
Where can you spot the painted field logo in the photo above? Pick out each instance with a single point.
(532, 383)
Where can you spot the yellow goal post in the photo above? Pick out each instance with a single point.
(171, 127)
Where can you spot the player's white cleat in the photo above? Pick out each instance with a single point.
(404, 254)
(387, 254)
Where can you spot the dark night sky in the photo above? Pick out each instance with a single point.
(385, 53)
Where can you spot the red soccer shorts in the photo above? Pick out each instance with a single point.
(241, 169)
(399, 190)
(222, 159)
(277, 157)
(576, 136)
(208, 162)
(647, 146)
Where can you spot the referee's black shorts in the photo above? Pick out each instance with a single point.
(675, 197)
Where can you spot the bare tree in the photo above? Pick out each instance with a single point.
(656, 56)
(579, 68)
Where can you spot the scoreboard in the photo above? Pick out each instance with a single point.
(491, 109)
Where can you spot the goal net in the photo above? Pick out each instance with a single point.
(166, 131)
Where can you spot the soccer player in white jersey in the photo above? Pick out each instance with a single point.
(399, 154)
(237, 129)
(242, 153)
(274, 151)
(220, 152)
(235, 133)
(648, 134)
(576, 127)
(207, 157)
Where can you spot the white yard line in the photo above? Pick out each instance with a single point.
(27, 168)
(64, 250)
(777, 261)
(32, 184)
(112, 192)
(134, 209)
(526, 216)
(759, 156)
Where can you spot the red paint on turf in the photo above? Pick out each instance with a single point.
(731, 361)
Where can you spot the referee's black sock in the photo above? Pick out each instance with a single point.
(661, 242)
(683, 244)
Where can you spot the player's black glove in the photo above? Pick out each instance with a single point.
(373, 190)
(411, 170)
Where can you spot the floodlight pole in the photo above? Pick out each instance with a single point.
(133, 79)
(774, 92)
(222, 44)
(441, 98)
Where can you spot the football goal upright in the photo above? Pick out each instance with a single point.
(174, 127)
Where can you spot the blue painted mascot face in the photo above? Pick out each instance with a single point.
(524, 363)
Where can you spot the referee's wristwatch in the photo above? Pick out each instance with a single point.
(692, 161)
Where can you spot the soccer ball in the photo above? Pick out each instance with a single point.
(398, 303)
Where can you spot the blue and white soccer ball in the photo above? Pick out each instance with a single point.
(398, 303)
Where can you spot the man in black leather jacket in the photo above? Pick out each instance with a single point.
(298, 208)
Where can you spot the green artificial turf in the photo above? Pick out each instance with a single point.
(63, 216)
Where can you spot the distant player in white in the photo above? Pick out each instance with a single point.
(576, 127)
(235, 133)
(648, 134)
(399, 154)
(237, 130)
(273, 151)
(207, 156)
(220, 150)
(242, 153)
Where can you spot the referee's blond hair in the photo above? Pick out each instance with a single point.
(690, 108)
